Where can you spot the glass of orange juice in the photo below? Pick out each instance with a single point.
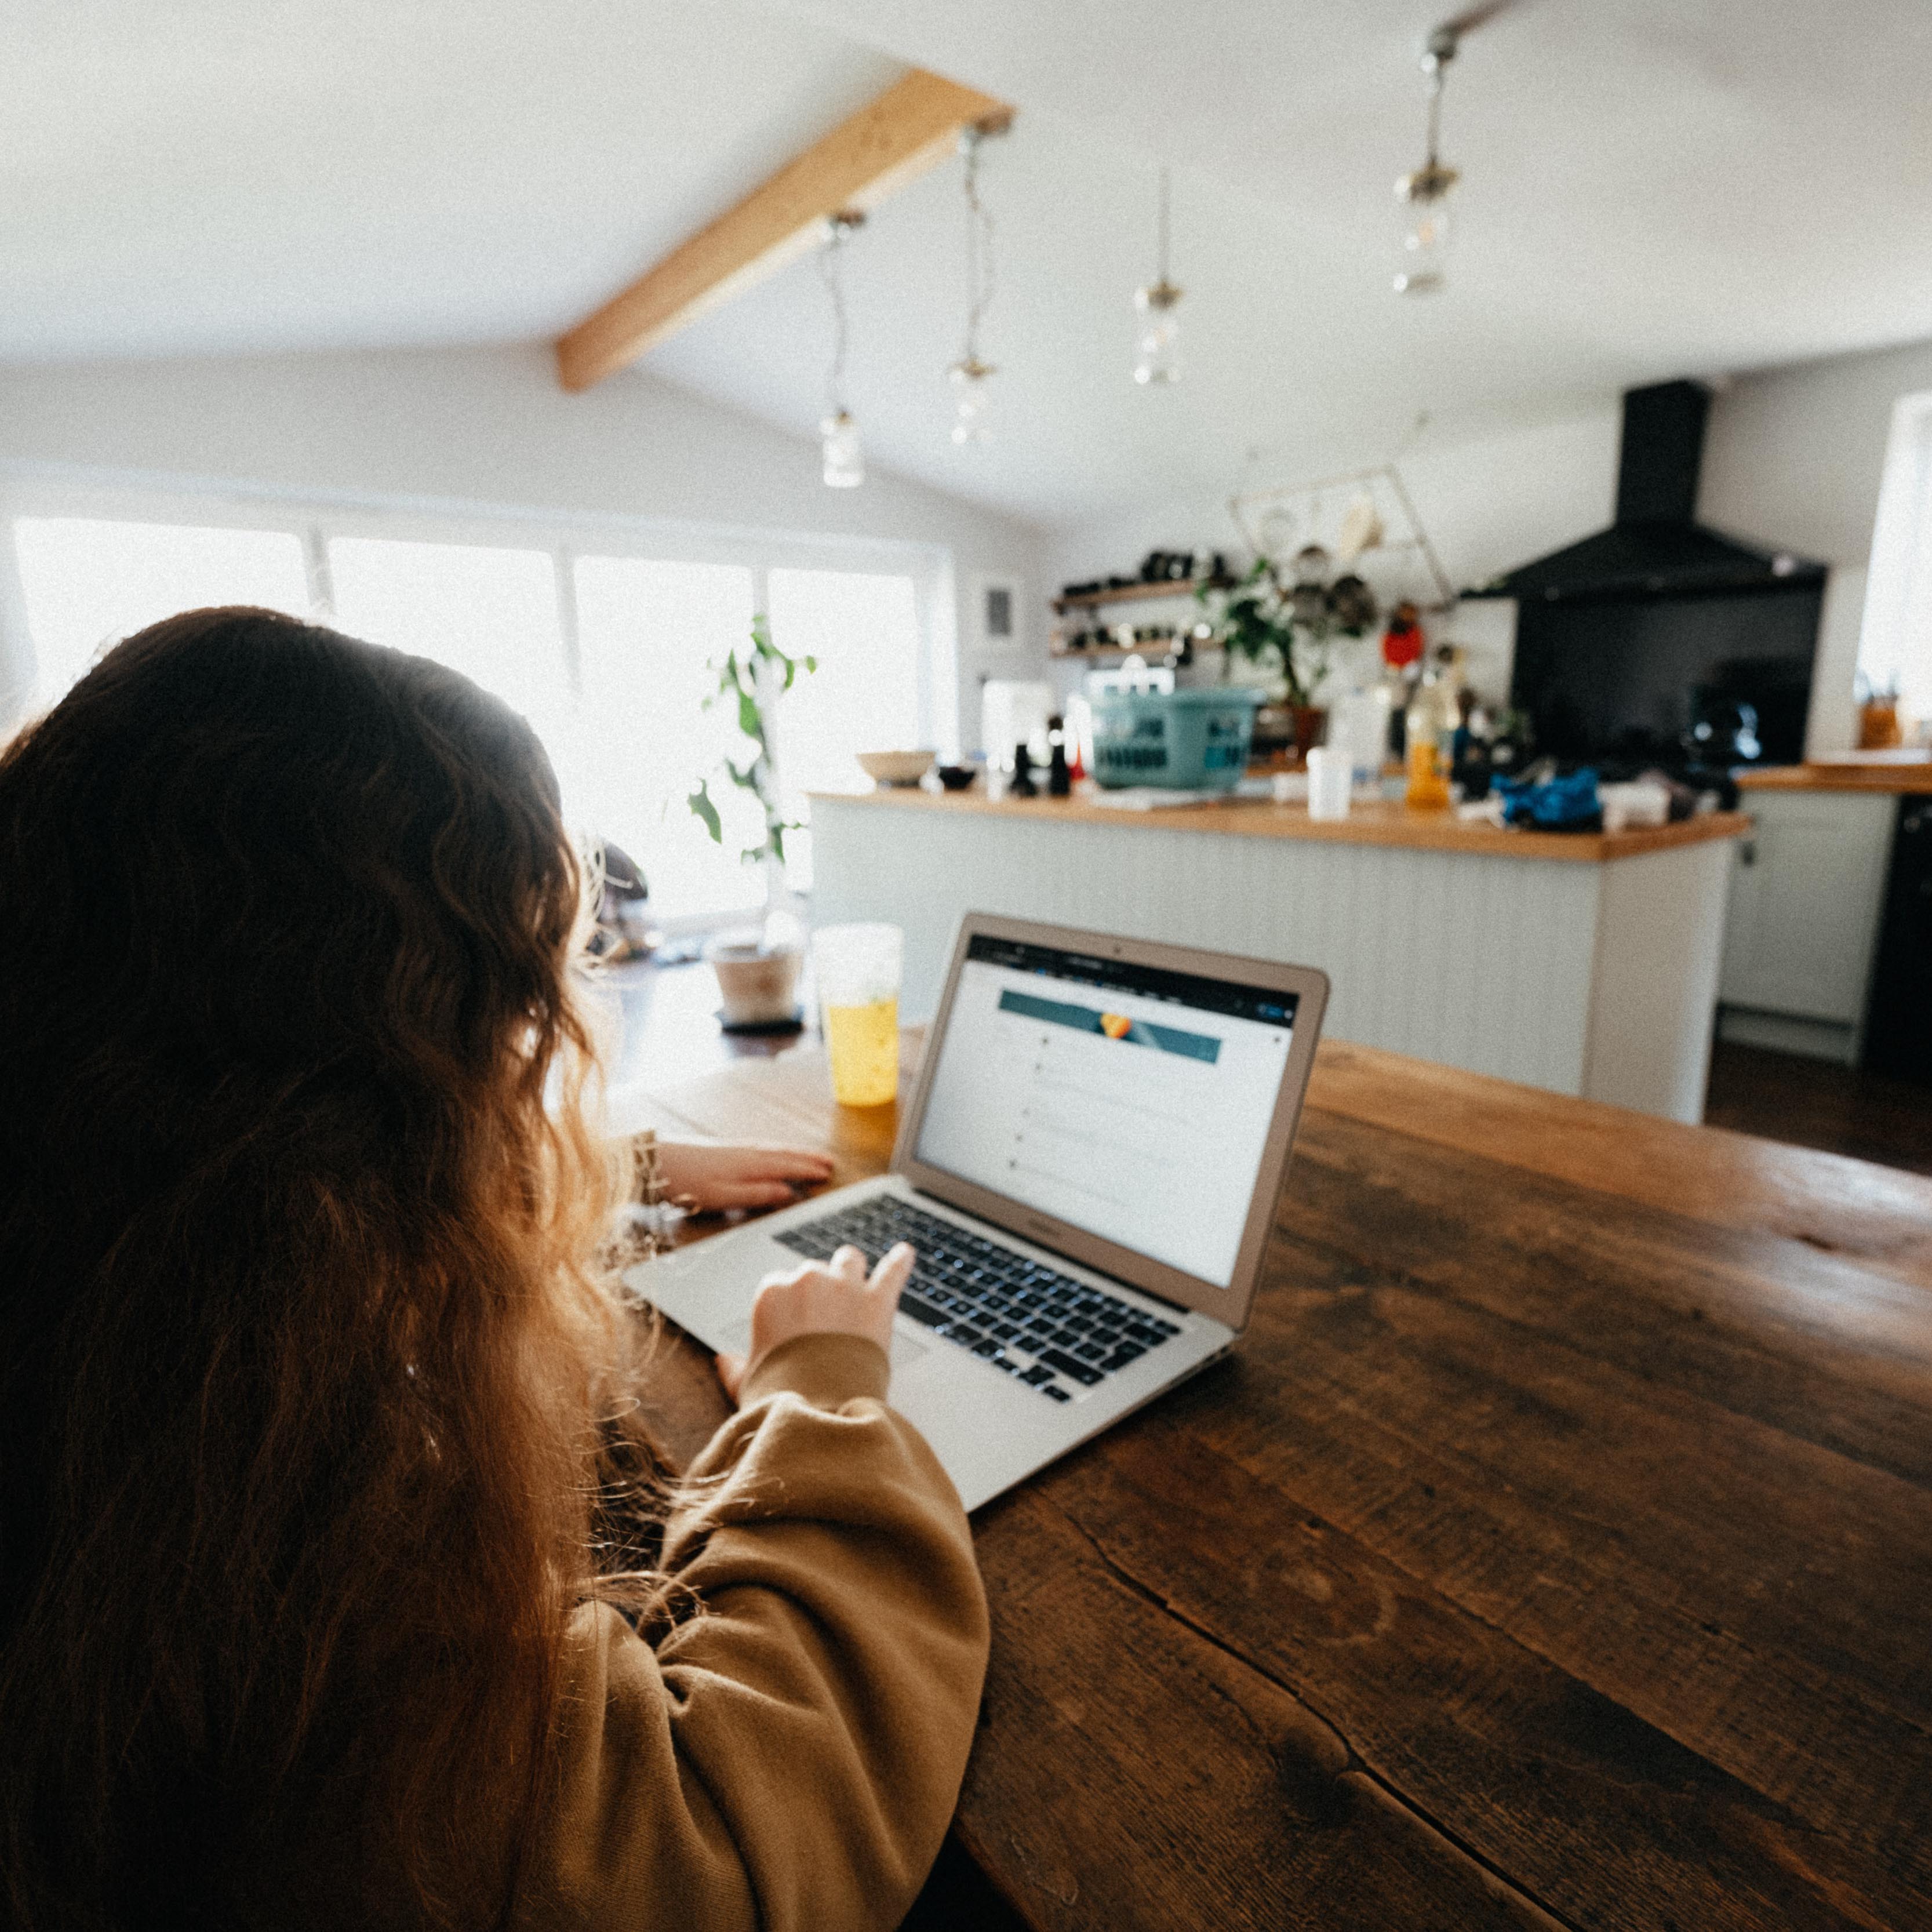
(857, 968)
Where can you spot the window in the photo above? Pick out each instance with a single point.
(1895, 642)
(491, 613)
(88, 581)
(646, 634)
(606, 652)
(864, 695)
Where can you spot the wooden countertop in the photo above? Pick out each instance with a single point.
(1379, 824)
(1856, 771)
(1556, 1548)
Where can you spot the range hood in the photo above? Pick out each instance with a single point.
(1656, 547)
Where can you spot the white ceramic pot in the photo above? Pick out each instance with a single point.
(755, 987)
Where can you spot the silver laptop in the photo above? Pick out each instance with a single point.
(1088, 1168)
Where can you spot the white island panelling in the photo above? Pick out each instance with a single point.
(1589, 978)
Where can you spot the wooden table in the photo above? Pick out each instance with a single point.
(1556, 1549)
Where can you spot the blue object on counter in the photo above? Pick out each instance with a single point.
(1194, 740)
(1556, 805)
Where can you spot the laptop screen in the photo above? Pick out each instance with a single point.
(1131, 1102)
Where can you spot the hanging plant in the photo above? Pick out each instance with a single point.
(751, 686)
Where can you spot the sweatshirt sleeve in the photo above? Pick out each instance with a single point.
(788, 1756)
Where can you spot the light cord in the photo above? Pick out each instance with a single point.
(979, 277)
(1161, 276)
(831, 272)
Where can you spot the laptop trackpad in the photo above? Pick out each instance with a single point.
(906, 1350)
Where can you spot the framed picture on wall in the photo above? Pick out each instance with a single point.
(995, 617)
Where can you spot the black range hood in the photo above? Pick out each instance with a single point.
(1656, 547)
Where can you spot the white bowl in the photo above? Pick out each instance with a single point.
(896, 768)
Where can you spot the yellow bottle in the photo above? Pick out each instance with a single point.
(1430, 731)
(862, 1043)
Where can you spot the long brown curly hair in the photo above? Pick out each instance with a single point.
(314, 1422)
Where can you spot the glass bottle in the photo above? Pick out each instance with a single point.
(1430, 736)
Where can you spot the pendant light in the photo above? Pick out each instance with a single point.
(839, 450)
(970, 374)
(1157, 329)
(1423, 195)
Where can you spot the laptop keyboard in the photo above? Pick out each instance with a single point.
(1043, 1328)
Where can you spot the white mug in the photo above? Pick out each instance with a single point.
(1329, 777)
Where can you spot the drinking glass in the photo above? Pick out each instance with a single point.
(858, 973)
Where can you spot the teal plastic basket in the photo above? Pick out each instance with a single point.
(1185, 740)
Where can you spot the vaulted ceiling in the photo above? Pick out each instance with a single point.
(1648, 189)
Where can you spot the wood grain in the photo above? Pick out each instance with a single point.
(1893, 771)
(1877, 1219)
(911, 127)
(1555, 1549)
(1381, 823)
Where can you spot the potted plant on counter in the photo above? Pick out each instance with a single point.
(758, 979)
(1278, 634)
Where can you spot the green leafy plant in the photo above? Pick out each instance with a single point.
(750, 684)
(1256, 617)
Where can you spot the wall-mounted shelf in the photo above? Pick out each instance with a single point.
(1137, 593)
(1179, 651)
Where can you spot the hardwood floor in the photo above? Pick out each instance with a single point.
(1785, 1096)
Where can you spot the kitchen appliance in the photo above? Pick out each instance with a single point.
(1627, 640)
(1898, 1016)
(1013, 711)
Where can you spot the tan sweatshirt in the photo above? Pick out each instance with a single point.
(789, 1758)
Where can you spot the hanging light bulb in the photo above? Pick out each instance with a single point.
(1423, 196)
(839, 447)
(970, 375)
(970, 397)
(840, 453)
(1157, 329)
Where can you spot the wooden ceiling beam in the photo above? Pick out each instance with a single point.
(911, 127)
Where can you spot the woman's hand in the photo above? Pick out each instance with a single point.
(834, 1298)
(714, 1178)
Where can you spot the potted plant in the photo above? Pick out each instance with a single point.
(758, 979)
(1282, 633)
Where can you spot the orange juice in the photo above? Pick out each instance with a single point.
(1428, 775)
(863, 1044)
(1432, 719)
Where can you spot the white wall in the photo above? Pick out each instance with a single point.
(1795, 456)
(478, 427)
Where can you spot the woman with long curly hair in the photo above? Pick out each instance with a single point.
(341, 1583)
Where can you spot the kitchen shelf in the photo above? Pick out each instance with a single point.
(1138, 593)
(1180, 648)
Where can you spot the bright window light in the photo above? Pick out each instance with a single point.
(89, 583)
(646, 633)
(864, 697)
(1895, 643)
(491, 613)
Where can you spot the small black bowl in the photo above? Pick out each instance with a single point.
(957, 777)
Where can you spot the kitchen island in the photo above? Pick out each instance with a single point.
(1584, 963)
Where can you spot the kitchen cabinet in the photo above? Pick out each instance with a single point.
(1806, 892)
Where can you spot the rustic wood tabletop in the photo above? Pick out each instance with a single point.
(1554, 1550)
